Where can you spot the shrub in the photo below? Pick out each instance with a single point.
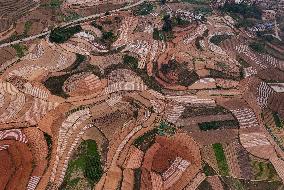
(130, 61)
(55, 3)
(199, 2)
(258, 47)
(197, 42)
(79, 59)
(185, 77)
(203, 10)
(277, 120)
(208, 170)
(55, 83)
(94, 24)
(108, 36)
(178, 21)
(27, 27)
(247, 11)
(243, 62)
(245, 23)
(131, 64)
(144, 9)
(20, 49)
(167, 26)
(61, 35)
(146, 140)
(48, 140)
(157, 35)
(213, 125)
(217, 39)
(137, 177)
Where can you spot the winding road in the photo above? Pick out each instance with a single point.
(77, 21)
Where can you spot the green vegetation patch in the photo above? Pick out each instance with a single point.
(237, 184)
(54, 85)
(52, 4)
(70, 16)
(213, 125)
(219, 74)
(217, 39)
(146, 140)
(166, 33)
(20, 49)
(144, 9)
(204, 10)
(178, 21)
(168, 24)
(198, 2)
(191, 111)
(108, 36)
(278, 122)
(246, 10)
(158, 35)
(85, 165)
(137, 178)
(222, 65)
(27, 27)
(94, 24)
(204, 185)
(221, 159)
(197, 42)
(185, 77)
(243, 62)
(61, 35)
(130, 62)
(166, 129)
(208, 170)
(245, 23)
(258, 47)
(79, 59)
(48, 140)
(264, 171)
(241, 184)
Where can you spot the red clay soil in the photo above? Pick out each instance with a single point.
(164, 157)
(134, 158)
(46, 123)
(233, 103)
(185, 147)
(6, 167)
(278, 48)
(51, 122)
(7, 53)
(149, 156)
(39, 150)
(160, 155)
(146, 183)
(271, 74)
(170, 149)
(169, 85)
(276, 103)
(215, 136)
(180, 33)
(22, 160)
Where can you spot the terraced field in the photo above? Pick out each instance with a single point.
(164, 96)
(10, 10)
